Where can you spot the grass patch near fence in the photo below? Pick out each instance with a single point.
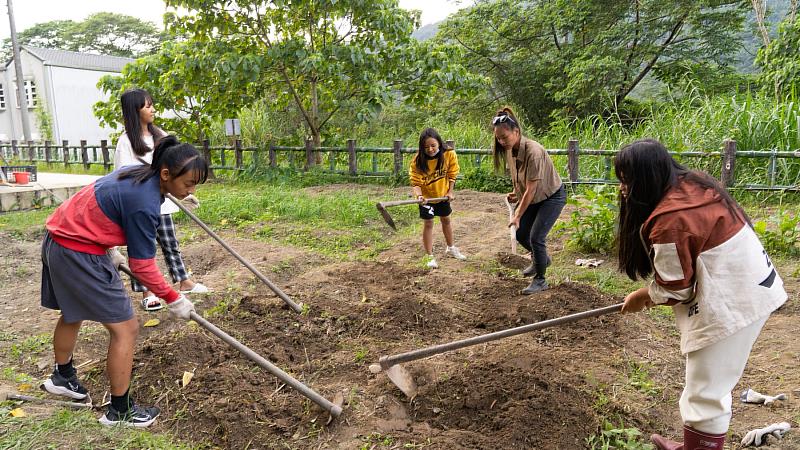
(342, 224)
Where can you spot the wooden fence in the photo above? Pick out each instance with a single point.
(393, 161)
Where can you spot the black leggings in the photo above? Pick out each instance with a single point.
(537, 221)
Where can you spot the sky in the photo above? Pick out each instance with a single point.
(30, 12)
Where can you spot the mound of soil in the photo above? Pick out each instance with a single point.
(515, 391)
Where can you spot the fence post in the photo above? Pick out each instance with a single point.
(309, 153)
(352, 158)
(65, 146)
(47, 155)
(572, 160)
(237, 151)
(398, 157)
(31, 151)
(728, 175)
(84, 154)
(273, 158)
(207, 156)
(104, 150)
(14, 149)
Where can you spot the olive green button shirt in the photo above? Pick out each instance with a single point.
(532, 163)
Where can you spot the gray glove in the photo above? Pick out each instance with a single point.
(181, 308)
(191, 202)
(117, 258)
(759, 436)
(751, 396)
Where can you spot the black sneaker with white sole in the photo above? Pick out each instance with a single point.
(136, 416)
(68, 387)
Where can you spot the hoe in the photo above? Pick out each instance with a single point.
(383, 205)
(334, 408)
(403, 379)
(297, 308)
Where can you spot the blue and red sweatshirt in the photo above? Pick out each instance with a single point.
(112, 212)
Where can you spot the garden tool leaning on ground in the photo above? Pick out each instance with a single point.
(334, 408)
(512, 230)
(297, 308)
(4, 395)
(383, 205)
(403, 379)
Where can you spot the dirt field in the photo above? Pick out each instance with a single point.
(545, 390)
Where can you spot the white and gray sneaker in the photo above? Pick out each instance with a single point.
(455, 253)
(430, 262)
(68, 387)
(136, 416)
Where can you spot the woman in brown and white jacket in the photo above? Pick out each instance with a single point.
(709, 266)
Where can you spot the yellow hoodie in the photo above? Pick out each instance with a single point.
(435, 183)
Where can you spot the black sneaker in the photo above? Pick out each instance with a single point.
(68, 387)
(136, 416)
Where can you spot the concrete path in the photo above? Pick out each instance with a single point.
(49, 189)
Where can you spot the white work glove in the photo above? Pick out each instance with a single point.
(117, 258)
(751, 396)
(191, 202)
(759, 436)
(181, 308)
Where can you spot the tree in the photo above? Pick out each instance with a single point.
(101, 33)
(324, 56)
(780, 60)
(192, 83)
(585, 56)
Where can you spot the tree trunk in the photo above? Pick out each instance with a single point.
(316, 135)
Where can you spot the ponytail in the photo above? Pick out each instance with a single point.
(173, 155)
(503, 118)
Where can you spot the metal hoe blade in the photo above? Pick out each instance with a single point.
(403, 379)
(386, 216)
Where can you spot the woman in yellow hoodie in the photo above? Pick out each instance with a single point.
(433, 174)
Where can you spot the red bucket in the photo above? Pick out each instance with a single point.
(22, 177)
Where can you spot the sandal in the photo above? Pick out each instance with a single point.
(151, 303)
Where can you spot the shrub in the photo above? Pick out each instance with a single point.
(779, 233)
(592, 225)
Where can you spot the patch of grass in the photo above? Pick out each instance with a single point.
(11, 374)
(341, 224)
(71, 429)
(663, 314)
(24, 224)
(604, 278)
(31, 346)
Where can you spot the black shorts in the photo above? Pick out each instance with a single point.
(82, 286)
(431, 210)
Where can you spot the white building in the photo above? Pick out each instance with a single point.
(62, 82)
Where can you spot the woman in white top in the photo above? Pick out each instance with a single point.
(135, 147)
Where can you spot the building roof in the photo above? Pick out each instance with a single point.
(86, 61)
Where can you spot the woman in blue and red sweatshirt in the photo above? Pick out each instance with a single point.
(80, 279)
(708, 265)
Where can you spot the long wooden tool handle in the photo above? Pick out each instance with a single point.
(409, 202)
(273, 287)
(333, 409)
(388, 361)
(28, 398)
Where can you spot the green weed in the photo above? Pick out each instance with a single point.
(613, 437)
(639, 378)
